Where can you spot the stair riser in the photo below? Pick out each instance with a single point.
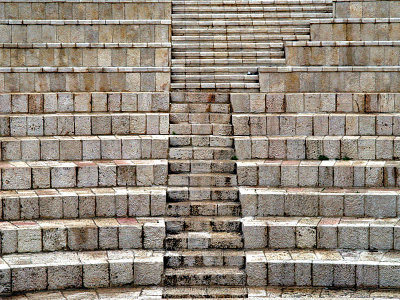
(193, 209)
(206, 280)
(198, 168)
(179, 244)
(205, 260)
(200, 194)
(206, 225)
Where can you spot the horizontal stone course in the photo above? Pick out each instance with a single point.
(315, 147)
(315, 102)
(36, 103)
(343, 55)
(325, 79)
(327, 268)
(327, 173)
(321, 233)
(53, 174)
(81, 10)
(61, 270)
(355, 29)
(81, 235)
(83, 148)
(50, 204)
(82, 79)
(309, 124)
(366, 9)
(314, 202)
(84, 57)
(84, 31)
(70, 124)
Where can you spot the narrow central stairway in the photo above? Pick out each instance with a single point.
(203, 224)
(219, 45)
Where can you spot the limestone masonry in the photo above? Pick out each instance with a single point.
(171, 149)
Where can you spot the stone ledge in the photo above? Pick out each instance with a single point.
(84, 69)
(36, 103)
(354, 20)
(84, 234)
(340, 43)
(83, 203)
(111, 173)
(85, 22)
(84, 45)
(313, 147)
(84, 148)
(324, 202)
(290, 69)
(326, 173)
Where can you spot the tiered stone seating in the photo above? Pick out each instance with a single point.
(255, 158)
(84, 143)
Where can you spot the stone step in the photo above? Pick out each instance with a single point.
(243, 16)
(226, 54)
(308, 124)
(54, 174)
(110, 10)
(318, 147)
(200, 141)
(327, 29)
(236, 30)
(204, 240)
(241, 37)
(84, 31)
(203, 258)
(63, 270)
(275, 292)
(209, 109)
(321, 233)
(195, 99)
(120, 202)
(324, 202)
(238, 87)
(215, 293)
(246, 8)
(231, 77)
(227, 61)
(250, 23)
(274, 3)
(327, 173)
(292, 79)
(203, 180)
(83, 55)
(229, 45)
(255, 103)
(65, 148)
(214, 70)
(201, 153)
(37, 103)
(201, 166)
(83, 124)
(178, 194)
(200, 118)
(81, 235)
(204, 224)
(223, 276)
(324, 268)
(203, 208)
(201, 129)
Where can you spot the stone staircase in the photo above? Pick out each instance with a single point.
(219, 45)
(203, 208)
